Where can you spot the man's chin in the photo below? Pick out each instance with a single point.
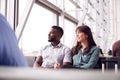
(50, 40)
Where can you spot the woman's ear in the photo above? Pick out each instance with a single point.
(59, 36)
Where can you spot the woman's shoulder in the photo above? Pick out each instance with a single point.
(95, 48)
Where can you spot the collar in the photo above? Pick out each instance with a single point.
(58, 46)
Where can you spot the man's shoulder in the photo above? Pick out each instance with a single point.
(45, 46)
(64, 46)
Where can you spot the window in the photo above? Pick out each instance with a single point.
(58, 3)
(22, 4)
(70, 8)
(36, 29)
(69, 33)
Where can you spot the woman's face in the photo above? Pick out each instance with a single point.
(81, 36)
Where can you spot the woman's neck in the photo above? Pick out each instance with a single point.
(84, 44)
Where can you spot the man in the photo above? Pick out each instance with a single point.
(116, 49)
(10, 54)
(55, 54)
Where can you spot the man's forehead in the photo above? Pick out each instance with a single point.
(52, 29)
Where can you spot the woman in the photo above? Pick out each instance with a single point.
(85, 53)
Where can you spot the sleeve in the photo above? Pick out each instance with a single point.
(41, 51)
(93, 60)
(67, 55)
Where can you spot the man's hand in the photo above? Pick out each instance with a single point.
(56, 66)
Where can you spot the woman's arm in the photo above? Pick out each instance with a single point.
(93, 59)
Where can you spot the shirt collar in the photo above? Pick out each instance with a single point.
(58, 46)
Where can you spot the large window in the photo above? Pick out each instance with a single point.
(70, 8)
(69, 35)
(58, 3)
(66, 5)
(69, 32)
(36, 29)
(22, 4)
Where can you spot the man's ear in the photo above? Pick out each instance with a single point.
(60, 36)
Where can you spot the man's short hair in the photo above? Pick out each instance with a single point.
(59, 29)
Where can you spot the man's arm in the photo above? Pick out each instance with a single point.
(68, 57)
(67, 63)
(93, 59)
(38, 62)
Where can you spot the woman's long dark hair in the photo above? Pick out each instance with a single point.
(85, 29)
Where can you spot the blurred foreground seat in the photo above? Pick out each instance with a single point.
(30, 60)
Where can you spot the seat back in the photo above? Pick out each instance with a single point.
(30, 60)
(111, 62)
(99, 63)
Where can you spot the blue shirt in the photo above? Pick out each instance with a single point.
(87, 60)
(10, 54)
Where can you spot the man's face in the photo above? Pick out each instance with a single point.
(53, 35)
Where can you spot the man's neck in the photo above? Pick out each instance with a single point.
(55, 43)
